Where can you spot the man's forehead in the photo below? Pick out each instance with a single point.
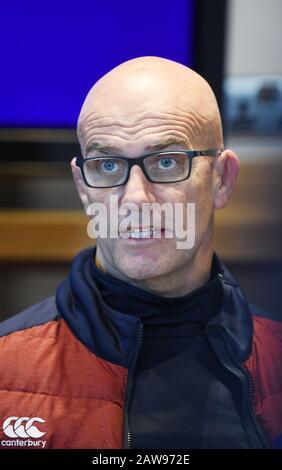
(106, 147)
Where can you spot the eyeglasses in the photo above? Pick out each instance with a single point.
(160, 167)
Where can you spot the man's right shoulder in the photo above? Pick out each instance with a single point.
(38, 314)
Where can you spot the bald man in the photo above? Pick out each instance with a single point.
(146, 344)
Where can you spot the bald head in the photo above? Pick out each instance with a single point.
(151, 93)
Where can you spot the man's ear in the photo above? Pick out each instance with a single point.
(226, 168)
(80, 186)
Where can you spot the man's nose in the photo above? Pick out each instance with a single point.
(138, 188)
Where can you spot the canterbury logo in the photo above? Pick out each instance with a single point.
(22, 427)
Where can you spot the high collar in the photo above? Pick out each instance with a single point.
(111, 333)
(192, 311)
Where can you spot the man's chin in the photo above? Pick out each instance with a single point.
(139, 271)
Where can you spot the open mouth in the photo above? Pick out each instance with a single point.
(143, 234)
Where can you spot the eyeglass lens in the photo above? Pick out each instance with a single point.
(103, 172)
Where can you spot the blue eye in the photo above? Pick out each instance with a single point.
(109, 166)
(167, 163)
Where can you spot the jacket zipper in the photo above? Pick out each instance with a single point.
(128, 394)
(250, 403)
(251, 408)
(252, 420)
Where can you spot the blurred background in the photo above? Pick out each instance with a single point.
(53, 52)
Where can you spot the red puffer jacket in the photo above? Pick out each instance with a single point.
(66, 379)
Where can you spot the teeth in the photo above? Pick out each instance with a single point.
(146, 233)
(143, 233)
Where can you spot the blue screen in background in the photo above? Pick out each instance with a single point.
(52, 52)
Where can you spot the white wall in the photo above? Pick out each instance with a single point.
(254, 37)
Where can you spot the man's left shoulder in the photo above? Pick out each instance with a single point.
(270, 321)
(267, 332)
(264, 367)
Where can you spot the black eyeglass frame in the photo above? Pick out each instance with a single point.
(79, 161)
